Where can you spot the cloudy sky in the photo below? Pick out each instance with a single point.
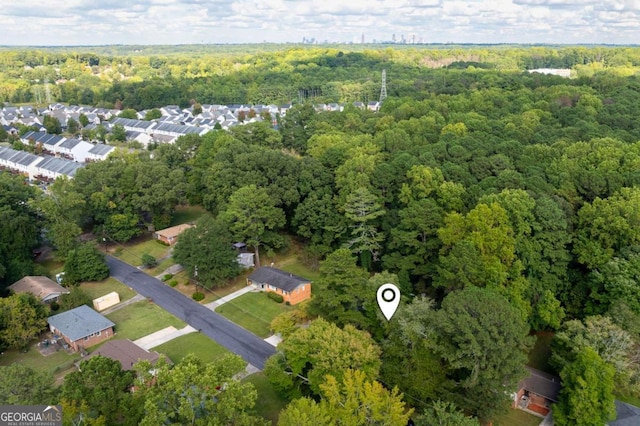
(96, 22)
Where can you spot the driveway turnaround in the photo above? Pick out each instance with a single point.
(250, 347)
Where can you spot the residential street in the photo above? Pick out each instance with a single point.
(250, 347)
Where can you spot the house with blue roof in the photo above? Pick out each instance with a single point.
(81, 327)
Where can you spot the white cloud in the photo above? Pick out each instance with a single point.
(48, 22)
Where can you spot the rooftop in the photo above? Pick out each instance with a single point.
(126, 353)
(41, 287)
(277, 278)
(79, 322)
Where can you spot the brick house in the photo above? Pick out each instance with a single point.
(81, 327)
(292, 288)
(170, 235)
(537, 392)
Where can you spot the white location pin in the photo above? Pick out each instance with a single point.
(388, 299)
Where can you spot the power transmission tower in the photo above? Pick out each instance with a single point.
(383, 89)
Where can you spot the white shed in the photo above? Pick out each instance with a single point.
(106, 301)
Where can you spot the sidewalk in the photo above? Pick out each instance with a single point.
(213, 305)
(162, 336)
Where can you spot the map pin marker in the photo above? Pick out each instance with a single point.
(388, 299)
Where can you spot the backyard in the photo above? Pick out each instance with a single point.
(253, 311)
(517, 418)
(54, 363)
(140, 319)
(198, 344)
(269, 402)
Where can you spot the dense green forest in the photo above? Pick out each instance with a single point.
(501, 202)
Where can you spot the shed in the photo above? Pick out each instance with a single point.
(106, 301)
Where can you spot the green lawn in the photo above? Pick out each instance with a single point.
(541, 352)
(132, 254)
(195, 343)
(100, 288)
(253, 311)
(269, 403)
(517, 418)
(53, 363)
(142, 318)
(52, 266)
(299, 269)
(186, 214)
(629, 399)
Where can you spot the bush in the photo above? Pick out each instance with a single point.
(197, 296)
(162, 243)
(173, 283)
(167, 277)
(149, 261)
(275, 297)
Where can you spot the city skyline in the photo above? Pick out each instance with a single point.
(83, 22)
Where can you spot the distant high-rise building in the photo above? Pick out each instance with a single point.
(362, 38)
(393, 38)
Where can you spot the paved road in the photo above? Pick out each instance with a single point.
(253, 349)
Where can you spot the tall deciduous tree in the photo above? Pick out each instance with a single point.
(85, 263)
(252, 216)
(102, 385)
(22, 385)
(198, 393)
(587, 394)
(208, 247)
(22, 318)
(309, 354)
(444, 414)
(355, 400)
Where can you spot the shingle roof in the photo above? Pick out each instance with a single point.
(101, 149)
(69, 143)
(174, 231)
(43, 288)
(126, 352)
(542, 383)
(23, 158)
(79, 322)
(60, 165)
(277, 278)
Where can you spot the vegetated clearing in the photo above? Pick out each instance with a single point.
(269, 402)
(517, 418)
(54, 363)
(541, 352)
(187, 214)
(253, 311)
(196, 343)
(140, 319)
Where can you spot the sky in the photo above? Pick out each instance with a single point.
(100, 22)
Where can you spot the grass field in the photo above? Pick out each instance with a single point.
(269, 403)
(100, 288)
(299, 269)
(52, 266)
(186, 214)
(132, 253)
(53, 363)
(253, 311)
(142, 318)
(195, 343)
(517, 418)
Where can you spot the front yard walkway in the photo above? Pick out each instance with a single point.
(244, 290)
(162, 336)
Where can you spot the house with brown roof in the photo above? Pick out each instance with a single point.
(292, 288)
(44, 288)
(537, 392)
(170, 235)
(126, 353)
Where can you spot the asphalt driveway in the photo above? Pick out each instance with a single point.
(250, 347)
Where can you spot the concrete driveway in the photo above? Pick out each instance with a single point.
(250, 347)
